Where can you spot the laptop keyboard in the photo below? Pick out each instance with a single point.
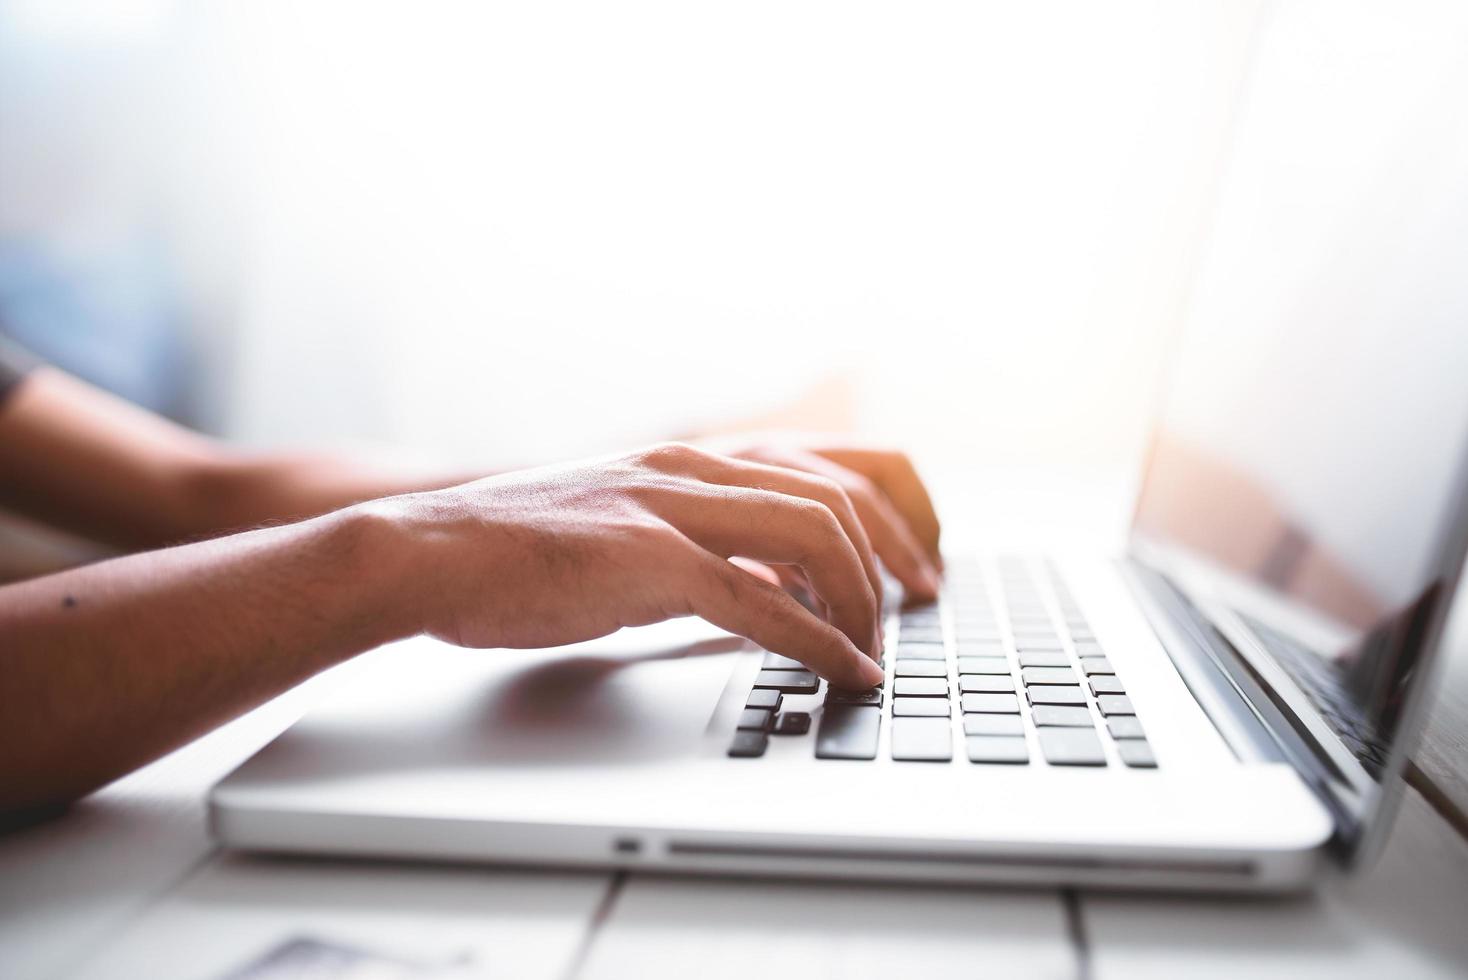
(1001, 670)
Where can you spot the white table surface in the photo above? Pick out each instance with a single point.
(127, 884)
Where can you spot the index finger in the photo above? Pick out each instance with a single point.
(769, 526)
(734, 600)
(819, 487)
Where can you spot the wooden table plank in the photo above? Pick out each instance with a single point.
(69, 883)
(522, 924)
(1403, 918)
(714, 928)
(133, 864)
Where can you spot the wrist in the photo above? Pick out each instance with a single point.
(379, 556)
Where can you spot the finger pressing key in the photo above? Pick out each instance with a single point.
(777, 528)
(734, 600)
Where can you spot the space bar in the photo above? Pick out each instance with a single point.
(848, 731)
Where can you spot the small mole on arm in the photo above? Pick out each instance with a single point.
(69, 602)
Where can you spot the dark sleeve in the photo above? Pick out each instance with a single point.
(15, 364)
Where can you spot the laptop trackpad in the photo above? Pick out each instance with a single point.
(639, 695)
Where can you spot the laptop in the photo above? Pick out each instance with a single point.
(1227, 705)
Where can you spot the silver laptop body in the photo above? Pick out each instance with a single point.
(1227, 705)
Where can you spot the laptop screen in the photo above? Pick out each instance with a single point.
(1312, 443)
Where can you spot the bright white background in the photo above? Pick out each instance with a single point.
(526, 229)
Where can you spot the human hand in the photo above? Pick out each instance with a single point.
(885, 489)
(566, 553)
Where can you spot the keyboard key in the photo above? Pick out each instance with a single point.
(1096, 665)
(872, 695)
(1054, 694)
(791, 723)
(1034, 658)
(999, 704)
(920, 707)
(1060, 716)
(773, 661)
(921, 668)
(1049, 675)
(1115, 704)
(788, 681)
(1089, 648)
(921, 687)
(749, 744)
(980, 648)
(1071, 747)
(1125, 726)
(1106, 684)
(764, 697)
(755, 719)
(921, 616)
(975, 625)
(922, 739)
(985, 684)
(848, 731)
(1029, 611)
(1007, 749)
(993, 725)
(921, 651)
(1137, 753)
(921, 634)
(983, 665)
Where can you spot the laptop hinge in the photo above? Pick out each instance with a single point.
(1223, 685)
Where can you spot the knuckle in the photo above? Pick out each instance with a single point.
(670, 455)
(818, 516)
(759, 453)
(827, 489)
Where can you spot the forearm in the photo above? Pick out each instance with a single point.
(83, 461)
(109, 666)
(232, 490)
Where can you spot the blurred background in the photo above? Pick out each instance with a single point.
(523, 230)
